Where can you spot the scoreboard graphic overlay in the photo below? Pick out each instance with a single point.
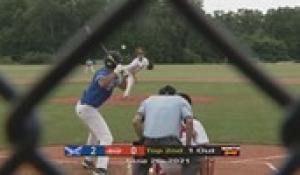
(151, 151)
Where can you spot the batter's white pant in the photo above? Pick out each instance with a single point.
(89, 69)
(129, 84)
(99, 131)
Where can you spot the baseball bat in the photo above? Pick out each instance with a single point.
(104, 49)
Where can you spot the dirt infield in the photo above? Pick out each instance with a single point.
(254, 159)
(117, 100)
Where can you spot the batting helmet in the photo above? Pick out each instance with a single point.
(112, 59)
(167, 90)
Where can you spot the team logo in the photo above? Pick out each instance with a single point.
(73, 150)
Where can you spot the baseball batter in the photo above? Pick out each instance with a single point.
(94, 96)
(139, 63)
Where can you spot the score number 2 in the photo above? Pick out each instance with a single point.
(93, 152)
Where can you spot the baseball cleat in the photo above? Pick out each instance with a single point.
(100, 171)
(88, 164)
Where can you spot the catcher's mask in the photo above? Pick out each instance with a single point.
(112, 59)
(167, 90)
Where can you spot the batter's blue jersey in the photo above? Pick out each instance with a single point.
(94, 94)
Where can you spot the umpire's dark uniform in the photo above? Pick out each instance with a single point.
(161, 116)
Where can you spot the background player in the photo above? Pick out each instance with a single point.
(89, 66)
(98, 91)
(140, 62)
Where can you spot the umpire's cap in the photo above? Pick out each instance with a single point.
(167, 90)
(112, 59)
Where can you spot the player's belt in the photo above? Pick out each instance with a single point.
(84, 103)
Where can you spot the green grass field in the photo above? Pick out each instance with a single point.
(239, 114)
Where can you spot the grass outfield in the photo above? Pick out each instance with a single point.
(238, 114)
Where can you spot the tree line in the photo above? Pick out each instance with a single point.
(32, 30)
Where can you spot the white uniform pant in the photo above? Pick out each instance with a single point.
(89, 69)
(129, 84)
(99, 131)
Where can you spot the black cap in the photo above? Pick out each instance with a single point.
(167, 90)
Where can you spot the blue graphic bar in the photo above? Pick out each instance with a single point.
(84, 150)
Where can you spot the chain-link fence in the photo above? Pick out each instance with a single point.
(22, 127)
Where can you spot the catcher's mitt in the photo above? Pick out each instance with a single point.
(150, 66)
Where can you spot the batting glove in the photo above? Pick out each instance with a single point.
(119, 71)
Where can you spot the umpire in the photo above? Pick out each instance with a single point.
(158, 122)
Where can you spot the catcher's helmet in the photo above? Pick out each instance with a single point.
(186, 97)
(112, 59)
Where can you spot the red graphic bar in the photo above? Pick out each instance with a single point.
(124, 150)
